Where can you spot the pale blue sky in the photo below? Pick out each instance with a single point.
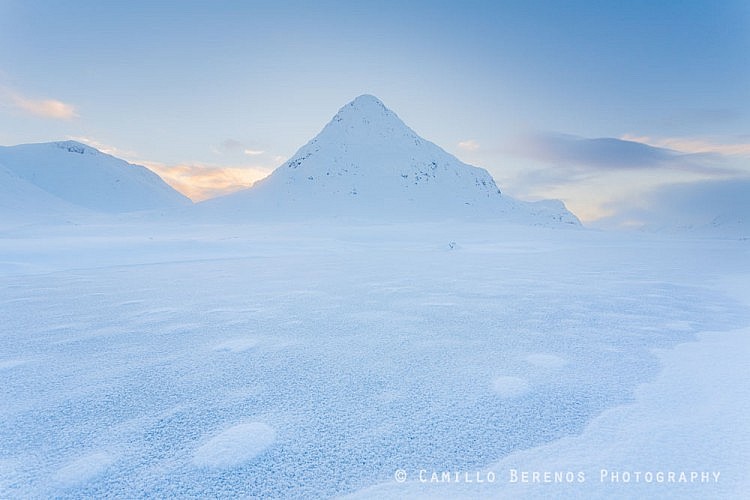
(522, 88)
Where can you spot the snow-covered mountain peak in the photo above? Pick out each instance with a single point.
(366, 120)
(367, 99)
(368, 163)
(365, 107)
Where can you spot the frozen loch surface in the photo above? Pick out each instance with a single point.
(302, 361)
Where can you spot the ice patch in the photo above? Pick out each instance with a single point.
(84, 468)
(237, 345)
(510, 387)
(546, 360)
(235, 446)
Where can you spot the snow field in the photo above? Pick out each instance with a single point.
(285, 361)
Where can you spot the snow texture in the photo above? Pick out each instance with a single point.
(691, 419)
(510, 387)
(83, 469)
(235, 446)
(143, 358)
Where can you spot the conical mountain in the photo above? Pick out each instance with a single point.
(368, 163)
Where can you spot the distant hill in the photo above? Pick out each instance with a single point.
(57, 176)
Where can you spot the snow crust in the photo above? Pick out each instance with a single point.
(144, 358)
(690, 420)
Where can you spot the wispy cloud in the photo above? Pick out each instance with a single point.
(469, 145)
(233, 146)
(694, 145)
(44, 108)
(201, 182)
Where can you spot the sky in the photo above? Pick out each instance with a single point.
(624, 110)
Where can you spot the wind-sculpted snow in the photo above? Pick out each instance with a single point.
(235, 446)
(306, 362)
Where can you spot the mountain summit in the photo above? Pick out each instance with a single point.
(366, 162)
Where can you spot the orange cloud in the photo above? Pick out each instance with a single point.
(45, 108)
(201, 182)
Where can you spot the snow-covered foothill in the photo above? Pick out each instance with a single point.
(83, 177)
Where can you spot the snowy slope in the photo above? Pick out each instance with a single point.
(85, 177)
(22, 197)
(367, 162)
(22, 203)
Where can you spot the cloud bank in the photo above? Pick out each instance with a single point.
(637, 180)
(695, 145)
(605, 153)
